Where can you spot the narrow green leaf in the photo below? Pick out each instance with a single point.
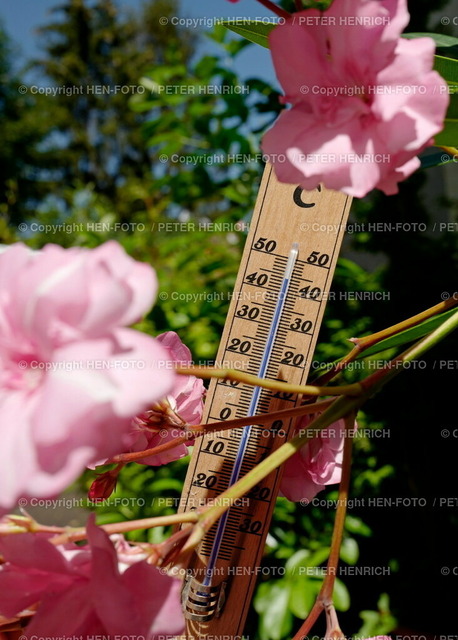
(435, 159)
(254, 31)
(448, 137)
(409, 335)
(440, 39)
(448, 69)
(446, 46)
(258, 32)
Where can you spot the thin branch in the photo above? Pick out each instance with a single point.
(224, 425)
(74, 535)
(265, 383)
(273, 7)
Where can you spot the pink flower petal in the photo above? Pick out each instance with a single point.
(87, 590)
(316, 465)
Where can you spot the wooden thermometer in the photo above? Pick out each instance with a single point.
(271, 331)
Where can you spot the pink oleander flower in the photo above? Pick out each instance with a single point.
(71, 376)
(182, 406)
(102, 588)
(364, 101)
(316, 465)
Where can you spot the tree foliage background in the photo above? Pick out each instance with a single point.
(94, 164)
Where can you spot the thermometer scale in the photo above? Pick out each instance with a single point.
(271, 331)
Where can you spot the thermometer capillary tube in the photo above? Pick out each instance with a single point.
(253, 408)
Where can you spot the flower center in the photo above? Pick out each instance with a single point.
(23, 374)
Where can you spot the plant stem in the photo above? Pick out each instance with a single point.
(262, 418)
(224, 425)
(273, 7)
(153, 451)
(324, 597)
(452, 151)
(337, 535)
(275, 385)
(312, 617)
(73, 535)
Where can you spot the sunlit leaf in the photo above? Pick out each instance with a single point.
(442, 41)
(341, 596)
(303, 593)
(409, 335)
(349, 551)
(254, 31)
(271, 601)
(435, 159)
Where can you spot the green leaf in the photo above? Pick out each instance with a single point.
(341, 596)
(409, 335)
(271, 601)
(349, 551)
(448, 68)
(440, 39)
(261, 598)
(298, 559)
(448, 137)
(254, 31)
(435, 159)
(167, 484)
(378, 622)
(445, 60)
(356, 525)
(305, 558)
(302, 597)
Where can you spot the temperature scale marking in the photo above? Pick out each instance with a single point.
(271, 331)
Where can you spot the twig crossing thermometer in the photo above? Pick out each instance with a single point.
(271, 332)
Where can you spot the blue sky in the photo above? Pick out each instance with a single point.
(22, 17)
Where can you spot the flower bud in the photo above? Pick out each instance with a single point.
(104, 485)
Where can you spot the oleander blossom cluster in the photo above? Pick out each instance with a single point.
(72, 376)
(163, 422)
(106, 588)
(181, 407)
(364, 101)
(316, 465)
